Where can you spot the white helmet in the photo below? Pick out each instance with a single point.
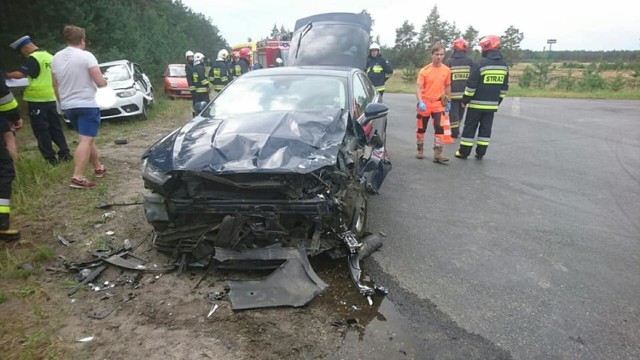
(223, 54)
(197, 58)
(278, 61)
(374, 46)
(188, 53)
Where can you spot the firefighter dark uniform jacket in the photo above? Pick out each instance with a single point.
(9, 113)
(488, 83)
(460, 65)
(378, 70)
(188, 68)
(200, 78)
(219, 75)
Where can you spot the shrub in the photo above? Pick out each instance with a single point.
(526, 79)
(617, 83)
(409, 74)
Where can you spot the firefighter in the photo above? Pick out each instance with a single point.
(243, 62)
(236, 70)
(200, 79)
(220, 73)
(9, 117)
(188, 68)
(460, 64)
(487, 86)
(41, 100)
(378, 68)
(433, 91)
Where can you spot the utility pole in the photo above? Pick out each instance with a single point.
(550, 42)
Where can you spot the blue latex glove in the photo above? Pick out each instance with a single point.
(422, 106)
(447, 108)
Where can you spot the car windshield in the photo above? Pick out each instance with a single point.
(116, 72)
(177, 71)
(280, 93)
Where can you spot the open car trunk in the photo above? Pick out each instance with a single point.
(332, 39)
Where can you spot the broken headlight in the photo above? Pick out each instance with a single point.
(153, 174)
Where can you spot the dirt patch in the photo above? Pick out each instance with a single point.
(125, 314)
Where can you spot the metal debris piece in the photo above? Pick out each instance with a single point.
(88, 279)
(110, 233)
(109, 215)
(105, 205)
(369, 244)
(64, 241)
(120, 261)
(100, 314)
(213, 309)
(85, 339)
(127, 244)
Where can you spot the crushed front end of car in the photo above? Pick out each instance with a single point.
(221, 190)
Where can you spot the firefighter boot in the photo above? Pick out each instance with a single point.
(437, 155)
(9, 235)
(420, 154)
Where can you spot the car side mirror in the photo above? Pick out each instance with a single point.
(374, 111)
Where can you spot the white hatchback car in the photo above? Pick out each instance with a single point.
(134, 92)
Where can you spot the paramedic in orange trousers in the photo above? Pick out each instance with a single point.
(433, 92)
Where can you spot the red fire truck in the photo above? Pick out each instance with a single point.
(267, 51)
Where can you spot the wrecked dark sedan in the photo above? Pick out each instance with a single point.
(278, 166)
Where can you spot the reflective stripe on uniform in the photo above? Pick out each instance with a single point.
(466, 141)
(469, 91)
(483, 141)
(380, 88)
(483, 105)
(5, 207)
(12, 104)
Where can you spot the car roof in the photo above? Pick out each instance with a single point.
(115, 62)
(336, 71)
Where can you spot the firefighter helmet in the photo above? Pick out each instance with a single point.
(490, 42)
(235, 54)
(223, 54)
(460, 44)
(188, 53)
(374, 46)
(198, 58)
(245, 52)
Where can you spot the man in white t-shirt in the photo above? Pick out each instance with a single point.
(76, 77)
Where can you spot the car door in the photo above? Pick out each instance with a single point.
(364, 94)
(142, 80)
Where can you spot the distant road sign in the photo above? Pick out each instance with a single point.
(551, 41)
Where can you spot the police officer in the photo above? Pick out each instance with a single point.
(378, 68)
(9, 117)
(188, 68)
(460, 65)
(220, 73)
(487, 86)
(200, 79)
(41, 98)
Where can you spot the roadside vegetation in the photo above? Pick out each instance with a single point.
(44, 207)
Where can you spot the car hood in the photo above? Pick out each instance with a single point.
(270, 142)
(115, 85)
(331, 39)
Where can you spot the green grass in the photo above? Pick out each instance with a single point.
(396, 85)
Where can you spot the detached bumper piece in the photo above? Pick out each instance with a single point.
(294, 283)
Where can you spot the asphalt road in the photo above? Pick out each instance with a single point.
(536, 248)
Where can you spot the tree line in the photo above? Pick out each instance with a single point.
(152, 33)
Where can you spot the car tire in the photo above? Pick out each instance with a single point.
(145, 111)
(359, 219)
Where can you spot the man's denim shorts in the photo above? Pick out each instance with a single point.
(86, 121)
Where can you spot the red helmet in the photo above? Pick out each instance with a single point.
(245, 53)
(460, 44)
(490, 42)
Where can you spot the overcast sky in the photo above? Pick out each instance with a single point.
(611, 25)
